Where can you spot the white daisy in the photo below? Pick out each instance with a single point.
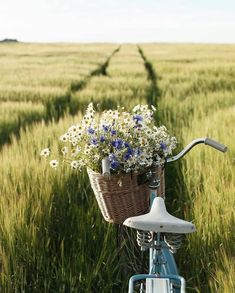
(64, 137)
(45, 152)
(74, 164)
(54, 163)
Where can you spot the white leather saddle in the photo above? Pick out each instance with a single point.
(159, 220)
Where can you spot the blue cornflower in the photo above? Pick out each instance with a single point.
(113, 132)
(126, 144)
(114, 165)
(130, 151)
(117, 143)
(94, 141)
(137, 118)
(90, 130)
(105, 128)
(127, 156)
(102, 138)
(163, 146)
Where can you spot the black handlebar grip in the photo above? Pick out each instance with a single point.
(216, 145)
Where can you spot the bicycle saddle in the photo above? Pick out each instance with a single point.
(159, 220)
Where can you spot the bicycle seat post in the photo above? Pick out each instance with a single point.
(154, 183)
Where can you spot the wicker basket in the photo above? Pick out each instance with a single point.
(121, 197)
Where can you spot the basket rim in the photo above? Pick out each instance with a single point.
(133, 172)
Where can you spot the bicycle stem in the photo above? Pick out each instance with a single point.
(206, 141)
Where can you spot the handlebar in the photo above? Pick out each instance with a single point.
(216, 145)
(207, 141)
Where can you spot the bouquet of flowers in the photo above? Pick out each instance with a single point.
(130, 140)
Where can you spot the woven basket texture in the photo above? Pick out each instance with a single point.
(120, 196)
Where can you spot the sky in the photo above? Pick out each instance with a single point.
(191, 21)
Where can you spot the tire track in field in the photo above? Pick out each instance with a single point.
(176, 188)
(101, 70)
(154, 91)
(56, 108)
(59, 107)
(75, 105)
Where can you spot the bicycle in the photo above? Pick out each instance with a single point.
(161, 234)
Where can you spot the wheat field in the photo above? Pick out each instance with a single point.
(52, 235)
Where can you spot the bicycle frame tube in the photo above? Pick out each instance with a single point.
(161, 261)
(153, 194)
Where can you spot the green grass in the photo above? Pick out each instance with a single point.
(197, 99)
(40, 72)
(49, 74)
(44, 75)
(52, 235)
(16, 115)
(124, 82)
